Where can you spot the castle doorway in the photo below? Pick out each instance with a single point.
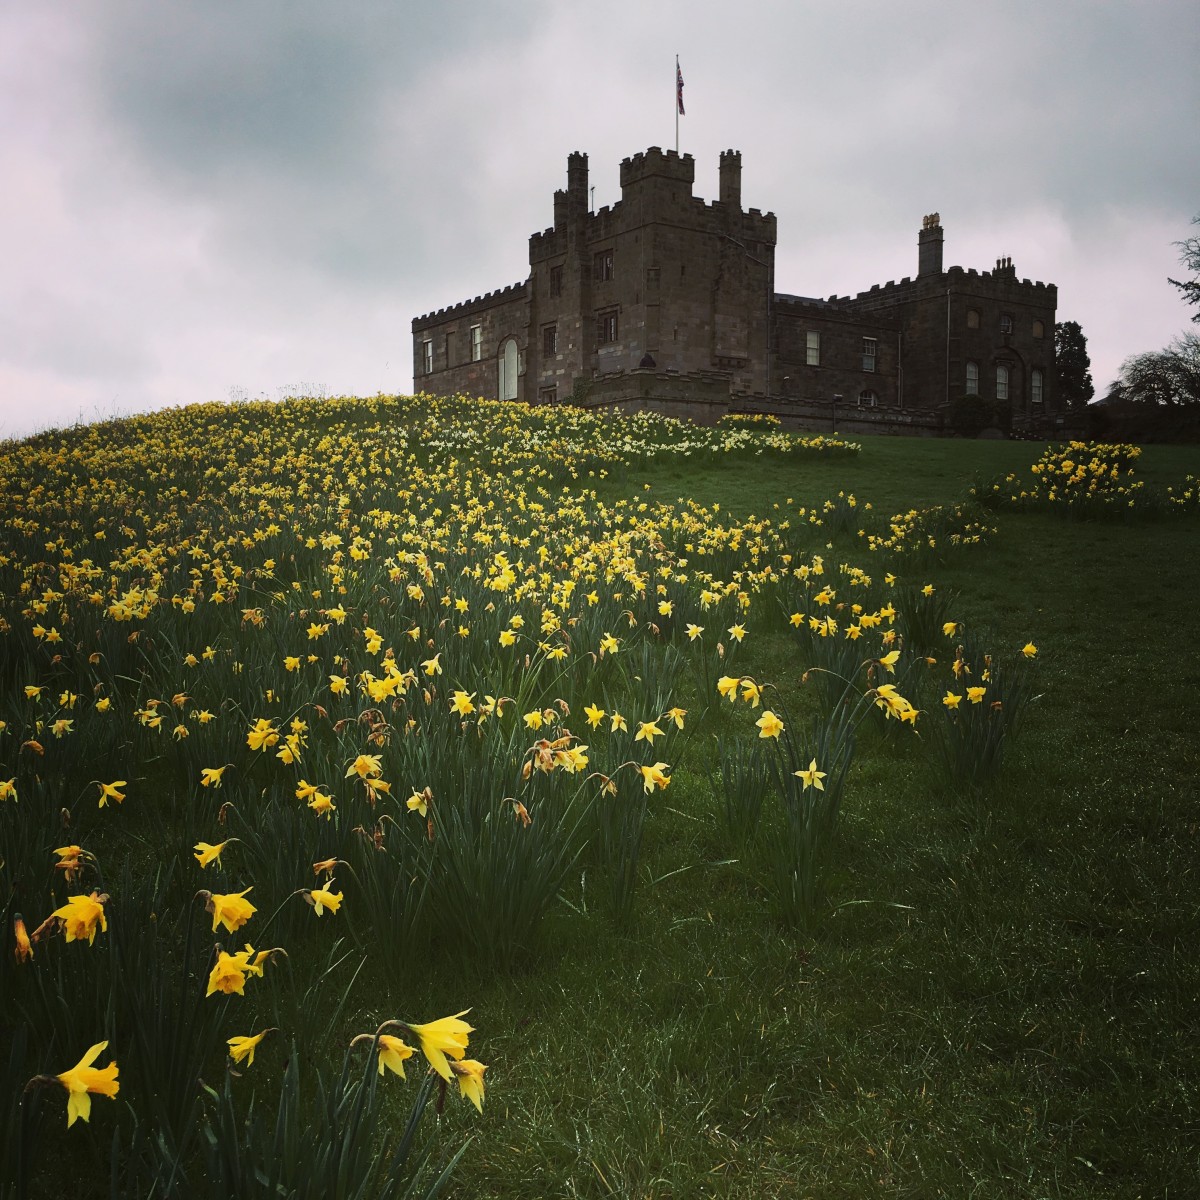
(507, 367)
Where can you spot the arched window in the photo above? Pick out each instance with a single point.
(1001, 381)
(507, 368)
(972, 318)
(867, 399)
(972, 379)
(1039, 330)
(1036, 387)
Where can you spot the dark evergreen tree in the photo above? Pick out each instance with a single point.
(1072, 366)
(1190, 257)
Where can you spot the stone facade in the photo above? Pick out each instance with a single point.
(662, 284)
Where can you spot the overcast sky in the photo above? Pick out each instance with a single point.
(255, 197)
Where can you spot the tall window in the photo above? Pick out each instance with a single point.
(1039, 330)
(1001, 381)
(507, 368)
(972, 318)
(812, 348)
(606, 327)
(549, 340)
(602, 265)
(972, 379)
(427, 357)
(868, 354)
(1037, 387)
(476, 343)
(1006, 323)
(556, 274)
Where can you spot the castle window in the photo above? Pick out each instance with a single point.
(1037, 387)
(868, 354)
(550, 340)
(427, 357)
(867, 399)
(602, 265)
(606, 327)
(507, 366)
(812, 348)
(972, 379)
(476, 343)
(1001, 381)
(548, 395)
(972, 318)
(556, 274)
(652, 278)
(1039, 330)
(1006, 323)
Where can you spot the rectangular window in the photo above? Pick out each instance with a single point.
(1001, 382)
(1006, 323)
(972, 379)
(868, 354)
(972, 318)
(427, 357)
(550, 340)
(812, 349)
(1036, 387)
(602, 265)
(548, 395)
(476, 343)
(606, 327)
(556, 274)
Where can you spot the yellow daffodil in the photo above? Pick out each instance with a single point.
(445, 1037)
(976, 694)
(112, 791)
(952, 700)
(812, 777)
(469, 1074)
(244, 1047)
(393, 1052)
(83, 1080)
(231, 909)
(1029, 650)
(647, 732)
(207, 853)
(82, 916)
(654, 777)
(322, 899)
(769, 725)
(211, 776)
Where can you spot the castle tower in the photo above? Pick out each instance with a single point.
(929, 245)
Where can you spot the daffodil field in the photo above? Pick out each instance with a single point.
(333, 732)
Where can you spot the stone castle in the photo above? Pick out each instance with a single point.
(667, 302)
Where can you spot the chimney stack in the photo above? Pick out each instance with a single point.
(929, 245)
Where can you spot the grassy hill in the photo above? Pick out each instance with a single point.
(505, 675)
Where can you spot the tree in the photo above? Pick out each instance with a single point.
(1072, 366)
(1190, 257)
(1162, 378)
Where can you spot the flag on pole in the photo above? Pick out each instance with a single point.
(678, 86)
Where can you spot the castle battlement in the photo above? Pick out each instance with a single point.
(514, 291)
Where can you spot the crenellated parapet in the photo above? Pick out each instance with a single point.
(515, 291)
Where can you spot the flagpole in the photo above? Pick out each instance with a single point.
(677, 104)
